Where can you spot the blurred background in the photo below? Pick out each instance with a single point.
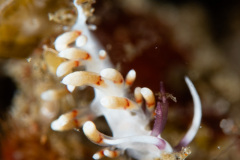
(163, 40)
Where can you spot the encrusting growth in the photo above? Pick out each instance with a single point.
(80, 48)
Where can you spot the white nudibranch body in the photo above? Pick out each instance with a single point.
(125, 117)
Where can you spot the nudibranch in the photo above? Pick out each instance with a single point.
(127, 120)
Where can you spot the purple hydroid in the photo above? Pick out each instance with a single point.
(161, 112)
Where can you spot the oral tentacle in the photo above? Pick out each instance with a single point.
(192, 131)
